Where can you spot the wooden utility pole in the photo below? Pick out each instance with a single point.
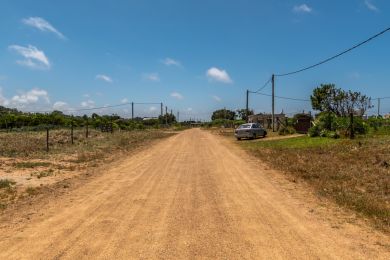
(273, 102)
(166, 115)
(132, 110)
(379, 106)
(162, 112)
(247, 105)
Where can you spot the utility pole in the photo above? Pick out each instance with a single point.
(162, 109)
(166, 115)
(379, 106)
(132, 110)
(273, 102)
(171, 112)
(177, 119)
(247, 105)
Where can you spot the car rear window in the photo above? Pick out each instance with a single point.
(244, 126)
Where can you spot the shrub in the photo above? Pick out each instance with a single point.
(5, 183)
(287, 130)
(314, 131)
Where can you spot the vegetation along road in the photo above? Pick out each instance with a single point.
(192, 195)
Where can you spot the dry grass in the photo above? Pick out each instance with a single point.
(23, 156)
(354, 173)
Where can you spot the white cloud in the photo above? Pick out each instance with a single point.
(303, 8)
(60, 105)
(218, 75)
(42, 25)
(177, 95)
(152, 109)
(170, 62)
(216, 98)
(125, 100)
(88, 104)
(34, 58)
(371, 6)
(152, 77)
(30, 97)
(104, 78)
(189, 109)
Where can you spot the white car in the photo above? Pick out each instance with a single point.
(250, 130)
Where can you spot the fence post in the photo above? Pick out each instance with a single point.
(86, 130)
(47, 139)
(352, 132)
(71, 132)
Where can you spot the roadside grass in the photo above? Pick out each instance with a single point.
(43, 174)
(354, 173)
(26, 151)
(31, 164)
(6, 183)
(7, 192)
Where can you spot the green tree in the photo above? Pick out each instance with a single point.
(223, 114)
(328, 98)
(243, 115)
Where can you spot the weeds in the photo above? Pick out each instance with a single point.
(31, 164)
(354, 173)
(32, 191)
(6, 184)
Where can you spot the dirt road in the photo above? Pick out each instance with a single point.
(189, 196)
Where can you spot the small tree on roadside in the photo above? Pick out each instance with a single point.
(243, 114)
(328, 98)
(223, 114)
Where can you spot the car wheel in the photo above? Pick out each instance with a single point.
(238, 139)
(264, 134)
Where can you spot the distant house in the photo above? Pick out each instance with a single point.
(302, 123)
(266, 120)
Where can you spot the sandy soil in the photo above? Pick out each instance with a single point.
(195, 196)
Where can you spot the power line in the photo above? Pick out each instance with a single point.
(95, 108)
(287, 98)
(335, 56)
(265, 84)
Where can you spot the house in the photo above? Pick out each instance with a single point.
(302, 123)
(266, 120)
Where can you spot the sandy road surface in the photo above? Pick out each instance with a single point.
(189, 196)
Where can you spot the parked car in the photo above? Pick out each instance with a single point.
(250, 130)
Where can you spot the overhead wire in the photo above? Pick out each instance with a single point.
(335, 56)
(264, 85)
(95, 108)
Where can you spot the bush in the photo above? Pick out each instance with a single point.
(330, 125)
(314, 131)
(287, 130)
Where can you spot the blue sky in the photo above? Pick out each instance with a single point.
(194, 56)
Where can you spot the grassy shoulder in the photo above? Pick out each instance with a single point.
(25, 166)
(354, 173)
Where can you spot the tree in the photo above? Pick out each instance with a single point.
(223, 114)
(328, 98)
(243, 115)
